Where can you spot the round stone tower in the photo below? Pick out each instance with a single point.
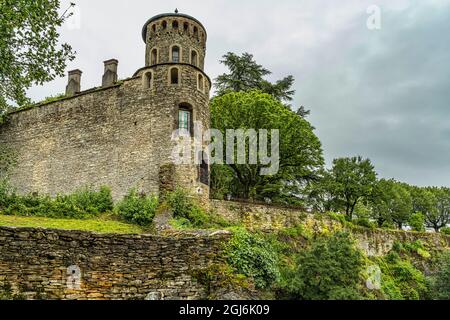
(174, 81)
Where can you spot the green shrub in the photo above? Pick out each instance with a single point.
(417, 222)
(137, 208)
(400, 279)
(254, 256)
(338, 217)
(190, 214)
(364, 222)
(181, 203)
(440, 284)
(83, 203)
(329, 269)
(445, 230)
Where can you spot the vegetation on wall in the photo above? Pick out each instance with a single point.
(301, 264)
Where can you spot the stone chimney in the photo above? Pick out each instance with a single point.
(74, 83)
(110, 75)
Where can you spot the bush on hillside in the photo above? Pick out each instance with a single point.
(330, 269)
(137, 208)
(252, 255)
(84, 203)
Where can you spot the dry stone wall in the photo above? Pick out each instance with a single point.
(269, 218)
(56, 264)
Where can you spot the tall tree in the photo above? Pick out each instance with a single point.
(246, 74)
(354, 179)
(300, 152)
(439, 217)
(391, 203)
(30, 52)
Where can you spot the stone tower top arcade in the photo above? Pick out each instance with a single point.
(174, 38)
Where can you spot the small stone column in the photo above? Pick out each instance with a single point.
(74, 82)
(110, 75)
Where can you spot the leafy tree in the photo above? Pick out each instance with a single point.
(321, 195)
(29, 49)
(417, 222)
(434, 204)
(423, 200)
(391, 203)
(329, 270)
(353, 180)
(439, 216)
(299, 149)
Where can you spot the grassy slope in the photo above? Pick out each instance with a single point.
(93, 225)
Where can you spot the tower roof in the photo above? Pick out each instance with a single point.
(159, 16)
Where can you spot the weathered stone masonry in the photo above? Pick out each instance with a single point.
(39, 264)
(120, 134)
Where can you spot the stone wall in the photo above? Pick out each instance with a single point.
(117, 136)
(41, 263)
(121, 135)
(269, 218)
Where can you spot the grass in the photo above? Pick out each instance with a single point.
(99, 225)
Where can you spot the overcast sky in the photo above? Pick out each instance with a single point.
(382, 94)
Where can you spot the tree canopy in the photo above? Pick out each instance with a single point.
(299, 149)
(246, 74)
(30, 52)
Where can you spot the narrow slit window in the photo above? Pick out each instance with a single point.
(194, 58)
(200, 83)
(174, 76)
(176, 54)
(148, 80)
(196, 32)
(204, 171)
(175, 24)
(154, 56)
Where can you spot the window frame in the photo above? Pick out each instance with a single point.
(148, 85)
(180, 53)
(178, 76)
(151, 56)
(200, 83)
(197, 64)
(185, 107)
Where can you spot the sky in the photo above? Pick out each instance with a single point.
(375, 74)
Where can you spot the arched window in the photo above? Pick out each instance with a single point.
(175, 24)
(175, 54)
(186, 27)
(154, 56)
(148, 80)
(174, 76)
(200, 83)
(194, 58)
(196, 32)
(164, 24)
(154, 28)
(185, 119)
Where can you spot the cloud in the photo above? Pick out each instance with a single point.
(381, 94)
